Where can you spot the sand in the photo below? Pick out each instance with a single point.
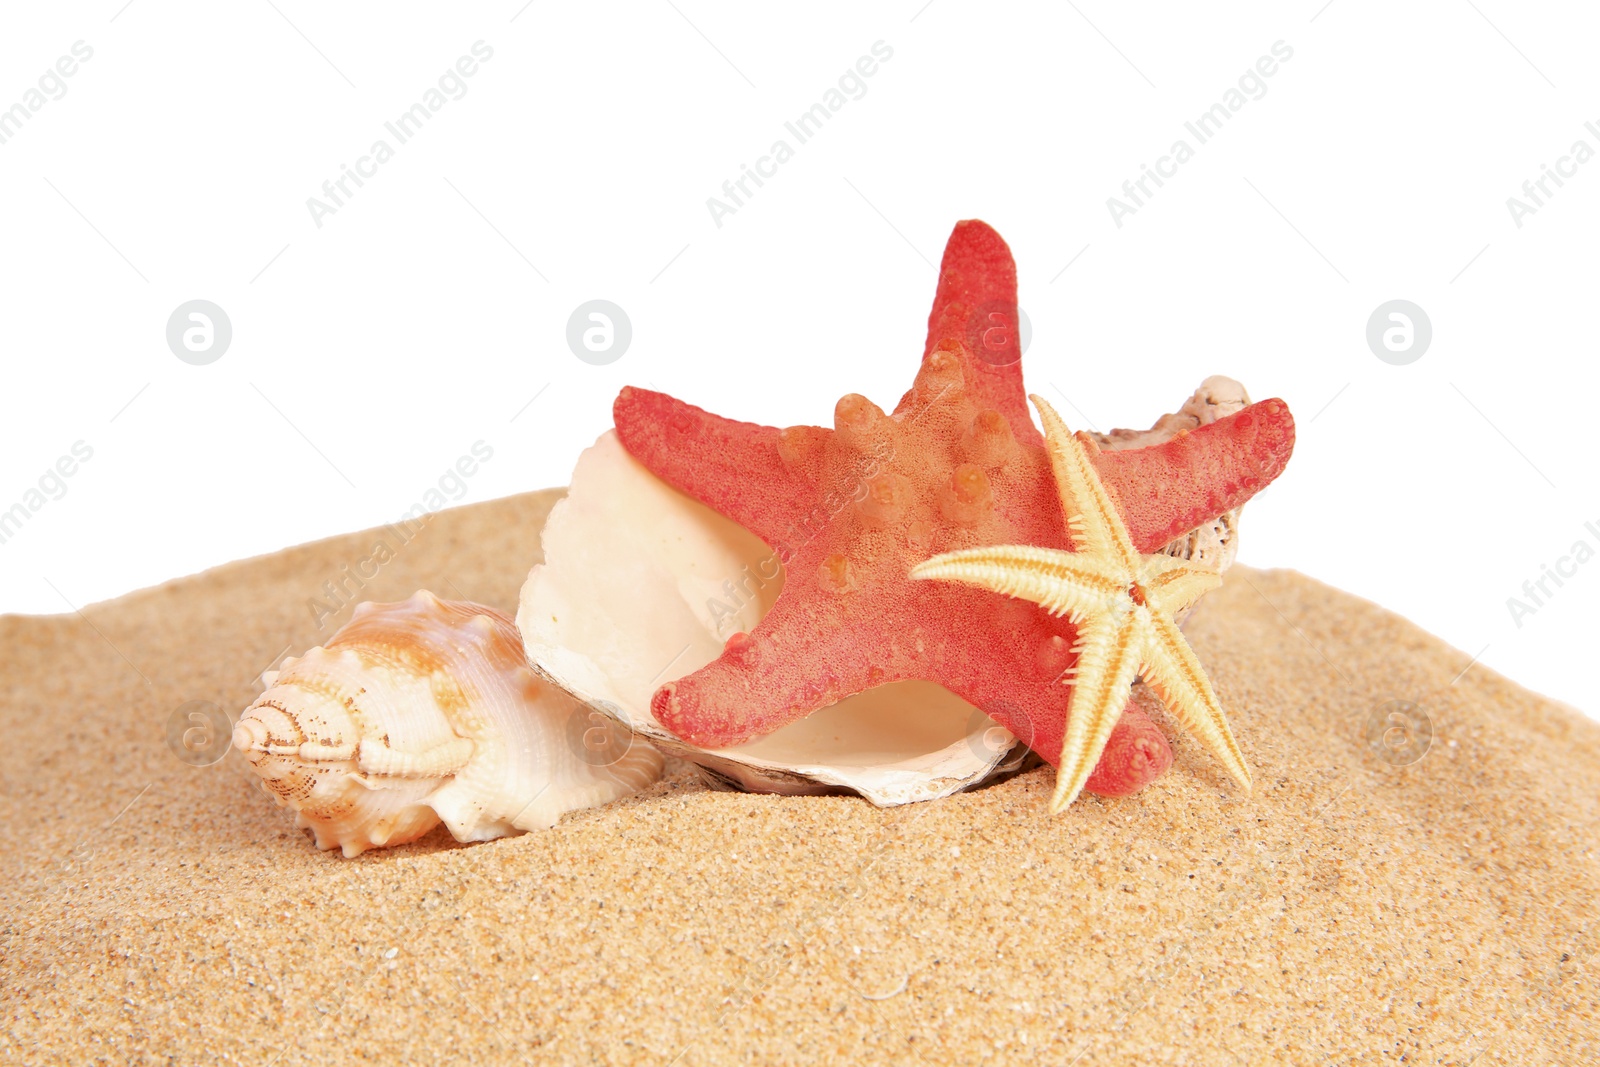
(1349, 911)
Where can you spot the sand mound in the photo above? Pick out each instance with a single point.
(1353, 910)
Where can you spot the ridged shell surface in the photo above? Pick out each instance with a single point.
(424, 711)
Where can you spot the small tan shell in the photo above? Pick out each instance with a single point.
(426, 710)
(1216, 543)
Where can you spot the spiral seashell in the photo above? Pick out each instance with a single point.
(425, 710)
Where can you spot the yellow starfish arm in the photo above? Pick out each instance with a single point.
(1170, 585)
(1097, 528)
(1110, 647)
(1063, 583)
(1174, 672)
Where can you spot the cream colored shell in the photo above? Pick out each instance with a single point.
(641, 585)
(422, 711)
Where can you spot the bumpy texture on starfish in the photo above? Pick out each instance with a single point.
(958, 464)
(1123, 605)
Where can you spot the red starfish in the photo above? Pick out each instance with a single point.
(851, 510)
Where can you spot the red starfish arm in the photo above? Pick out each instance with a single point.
(1166, 490)
(1016, 679)
(790, 666)
(975, 313)
(1136, 754)
(735, 468)
(787, 667)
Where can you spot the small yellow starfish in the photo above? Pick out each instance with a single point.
(1123, 606)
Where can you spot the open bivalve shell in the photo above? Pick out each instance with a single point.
(425, 710)
(641, 585)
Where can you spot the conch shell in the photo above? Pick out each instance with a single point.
(425, 710)
(633, 590)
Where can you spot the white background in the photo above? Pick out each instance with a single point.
(425, 314)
